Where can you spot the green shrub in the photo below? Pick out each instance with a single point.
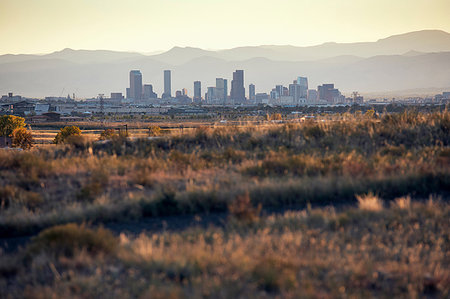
(65, 133)
(8, 123)
(22, 138)
(154, 131)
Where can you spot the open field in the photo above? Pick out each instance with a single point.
(350, 206)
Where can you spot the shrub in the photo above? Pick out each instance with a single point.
(314, 131)
(403, 203)
(107, 134)
(7, 195)
(65, 133)
(78, 143)
(97, 183)
(369, 202)
(154, 131)
(275, 116)
(67, 240)
(274, 275)
(22, 138)
(8, 123)
(242, 209)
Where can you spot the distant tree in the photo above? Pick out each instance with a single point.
(22, 138)
(370, 113)
(65, 133)
(8, 123)
(276, 116)
(154, 131)
(107, 134)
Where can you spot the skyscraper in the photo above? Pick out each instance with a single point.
(312, 95)
(328, 93)
(135, 91)
(279, 91)
(303, 82)
(221, 92)
(167, 84)
(225, 90)
(237, 86)
(251, 92)
(148, 92)
(197, 91)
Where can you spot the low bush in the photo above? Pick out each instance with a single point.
(7, 195)
(22, 138)
(69, 239)
(107, 134)
(242, 209)
(154, 131)
(65, 133)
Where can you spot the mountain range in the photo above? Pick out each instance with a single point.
(415, 60)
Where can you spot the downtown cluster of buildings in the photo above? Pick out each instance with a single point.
(295, 94)
(142, 99)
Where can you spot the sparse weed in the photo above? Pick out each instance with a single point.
(369, 202)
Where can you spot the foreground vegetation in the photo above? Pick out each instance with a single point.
(331, 249)
(202, 170)
(397, 250)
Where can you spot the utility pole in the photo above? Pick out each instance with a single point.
(102, 108)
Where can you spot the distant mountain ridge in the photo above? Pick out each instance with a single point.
(408, 61)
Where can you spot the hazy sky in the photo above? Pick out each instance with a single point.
(41, 26)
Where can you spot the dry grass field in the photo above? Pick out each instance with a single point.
(351, 206)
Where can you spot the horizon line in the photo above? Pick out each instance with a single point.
(157, 52)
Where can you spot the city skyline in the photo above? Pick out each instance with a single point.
(364, 67)
(116, 25)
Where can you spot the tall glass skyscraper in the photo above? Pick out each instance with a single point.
(135, 91)
(167, 84)
(197, 90)
(237, 86)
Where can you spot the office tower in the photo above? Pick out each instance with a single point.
(167, 84)
(184, 92)
(279, 91)
(225, 89)
(274, 94)
(302, 81)
(116, 96)
(251, 92)
(328, 93)
(135, 92)
(148, 92)
(295, 90)
(197, 91)
(262, 98)
(221, 89)
(210, 95)
(237, 86)
(312, 95)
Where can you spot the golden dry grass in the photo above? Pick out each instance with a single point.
(369, 202)
(319, 253)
